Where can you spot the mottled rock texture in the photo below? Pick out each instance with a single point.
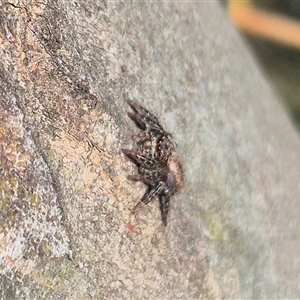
(67, 69)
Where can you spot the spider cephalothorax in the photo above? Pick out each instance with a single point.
(159, 168)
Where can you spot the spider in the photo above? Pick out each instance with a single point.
(159, 168)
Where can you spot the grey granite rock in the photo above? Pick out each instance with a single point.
(67, 232)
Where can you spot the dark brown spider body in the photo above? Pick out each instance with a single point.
(159, 168)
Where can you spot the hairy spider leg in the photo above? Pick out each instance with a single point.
(145, 122)
(141, 110)
(148, 197)
(164, 206)
(144, 139)
(139, 159)
(143, 118)
(139, 177)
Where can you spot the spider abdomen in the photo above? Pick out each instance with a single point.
(175, 174)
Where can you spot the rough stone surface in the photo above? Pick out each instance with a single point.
(66, 230)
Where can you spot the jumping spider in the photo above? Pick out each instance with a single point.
(159, 168)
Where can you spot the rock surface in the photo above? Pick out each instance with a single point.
(67, 232)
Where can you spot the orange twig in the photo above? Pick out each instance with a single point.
(271, 26)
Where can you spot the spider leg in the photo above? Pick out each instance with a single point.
(164, 206)
(142, 138)
(139, 159)
(143, 118)
(141, 110)
(139, 177)
(148, 197)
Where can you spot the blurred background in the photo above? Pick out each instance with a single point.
(272, 28)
